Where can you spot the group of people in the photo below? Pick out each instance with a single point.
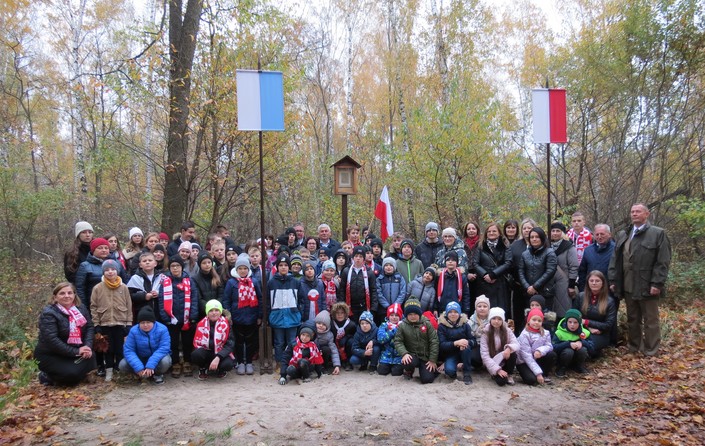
(510, 297)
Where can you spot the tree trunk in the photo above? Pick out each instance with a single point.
(183, 31)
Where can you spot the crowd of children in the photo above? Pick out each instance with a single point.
(356, 307)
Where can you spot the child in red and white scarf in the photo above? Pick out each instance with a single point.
(243, 298)
(178, 310)
(305, 358)
(213, 343)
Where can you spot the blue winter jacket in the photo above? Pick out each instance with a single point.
(145, 350)
(595, 257)
(178, 301)
(448, 333)
(385, 338)
(284, 303)
(361, 339)
(231, 298)
(390, 289)
(311, 291)
(89, 274)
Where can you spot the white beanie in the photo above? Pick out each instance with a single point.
(185, 245)
(450, 231)
(496, 312)
(82, 226)
(134, 231)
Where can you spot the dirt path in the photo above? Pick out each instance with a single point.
(353, 408)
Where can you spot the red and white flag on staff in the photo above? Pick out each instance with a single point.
(548, 107)
(383, 213)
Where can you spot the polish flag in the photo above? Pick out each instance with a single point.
(383, 213)
(548, 107)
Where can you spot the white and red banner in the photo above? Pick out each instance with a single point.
(383, 213)
(548, 107)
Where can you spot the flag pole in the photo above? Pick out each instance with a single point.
(548, 182)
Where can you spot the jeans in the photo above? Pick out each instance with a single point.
(162, 367)
(364, 360)
(281, 337)
(452, 360)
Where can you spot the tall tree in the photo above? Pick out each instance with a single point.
(183, 33)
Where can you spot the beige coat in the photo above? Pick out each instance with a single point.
(111, 307)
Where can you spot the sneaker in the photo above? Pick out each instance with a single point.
(158, 379)
(187, 369)
(510, 381)
(547, 380)
(363, 367)
(373, 370)
(202, 374)
(407, 375)
(101, 371)
(467, 379)
(45, 380)
(348, 367)
(108, 375)
(176, 371)
(582, 370)
(560, 373)
(307, 380)
(241, 369)
(249, 369)
(221, 374)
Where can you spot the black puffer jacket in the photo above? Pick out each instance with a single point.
(537, 267)
(427, 251)
(54, 332)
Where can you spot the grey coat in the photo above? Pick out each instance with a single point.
(566, 277)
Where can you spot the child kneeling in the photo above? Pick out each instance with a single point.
(213, 330)
(571, 343)
(365, 349)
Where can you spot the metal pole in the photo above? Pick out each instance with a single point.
(265, 343)
(548, 185)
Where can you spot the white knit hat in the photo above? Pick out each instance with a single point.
(134, 231)
(450, 231)
(496, 312)
(82, 226)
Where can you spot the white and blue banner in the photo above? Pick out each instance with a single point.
(260, 100)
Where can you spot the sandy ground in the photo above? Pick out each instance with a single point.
(352, 408)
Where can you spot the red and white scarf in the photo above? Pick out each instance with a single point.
(367, 288)
(246, 295)
(76, 321)
(315, 358)
(185, 286)
(441, 283)
(331, 295)
(220, 336)
(313, 297)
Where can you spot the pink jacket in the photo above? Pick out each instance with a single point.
(494, 364)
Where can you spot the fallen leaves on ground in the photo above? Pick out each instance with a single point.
(39, 411)
(660, 400)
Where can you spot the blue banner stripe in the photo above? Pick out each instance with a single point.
(271, 84)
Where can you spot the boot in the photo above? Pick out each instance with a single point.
(187, 369)
(176, 371)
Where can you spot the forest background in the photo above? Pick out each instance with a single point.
(105, 105)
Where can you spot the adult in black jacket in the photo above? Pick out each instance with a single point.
(517, 248)
(358, 286)
(493, 264)
(427, 250)
(537, 267)
(65, 355)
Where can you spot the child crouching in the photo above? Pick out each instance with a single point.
(305, 357)
(417, 343)
(213, 343)
(390, 359)
(536, 356)
(498, 347)
(571, 343)
(325, 340)
(456, 341)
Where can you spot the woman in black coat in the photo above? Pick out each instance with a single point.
(536, 269)
(493, 264)
(64, 349)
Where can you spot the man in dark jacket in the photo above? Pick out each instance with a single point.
(427, 250)
(638, 271)
(596, 256)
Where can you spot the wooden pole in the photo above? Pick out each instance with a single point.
(344, 212)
